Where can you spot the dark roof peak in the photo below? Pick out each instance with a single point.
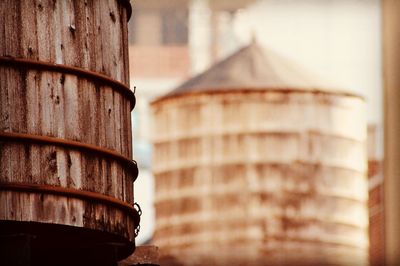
(252, 67)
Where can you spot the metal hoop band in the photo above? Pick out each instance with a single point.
(20, 137)
(74, 193)
(80, 72)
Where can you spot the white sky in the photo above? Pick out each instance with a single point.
(339, 40)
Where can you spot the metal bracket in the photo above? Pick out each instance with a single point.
(136, 206)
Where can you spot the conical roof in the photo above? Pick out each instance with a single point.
(253, 67)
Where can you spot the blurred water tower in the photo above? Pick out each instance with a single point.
(256, 162)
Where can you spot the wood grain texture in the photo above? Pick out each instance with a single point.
(92, 35)
(264, 177)
(89, 34)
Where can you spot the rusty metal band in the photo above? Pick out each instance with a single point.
(283, 90)
(128, 6)
(80, 72)
(72, 193)
(36, 139)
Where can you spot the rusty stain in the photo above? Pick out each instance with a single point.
(69, 161)
(62, 79)
(51, 162)
(54, 4)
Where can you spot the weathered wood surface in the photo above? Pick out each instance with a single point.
(89, 34)
(261, 177)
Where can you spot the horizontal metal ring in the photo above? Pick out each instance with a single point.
(281, 90)
(28, 63)
(36, 139)
(74, 193)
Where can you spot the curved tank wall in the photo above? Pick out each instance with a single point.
(65, 126)
(262, 176)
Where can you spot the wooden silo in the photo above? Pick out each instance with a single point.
(256, 163)
(66, 168)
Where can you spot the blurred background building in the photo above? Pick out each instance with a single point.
(376, 196)
(172, 41)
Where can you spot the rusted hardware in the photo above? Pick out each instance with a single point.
(36, 139)
(74, 193)
(137, 230)
(135, 171)
(133, 103)
(136, 206)
(127, 5)
(27, 63)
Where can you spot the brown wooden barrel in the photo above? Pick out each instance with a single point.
(66, 171)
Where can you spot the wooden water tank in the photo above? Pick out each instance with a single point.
(257, 164)
(66, 173)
